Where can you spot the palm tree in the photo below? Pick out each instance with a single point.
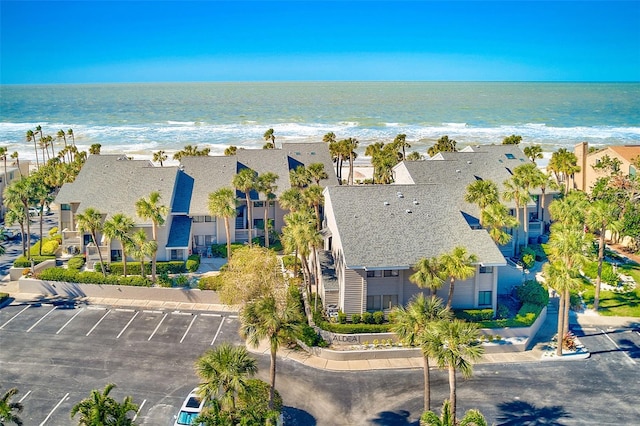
(330, 139)
(601, 216)
(413, 325)
(534, 152)
(483, 193)
(514, 192)
(20, 195)
(400, 142)
(427, 274)
(512, 140)
(265, 318)
(223, 203)
(292, 199)
(118, 228)
(140, 248)
(16, 214)
(270, 138)
(32, 137)
(16, 160)
(101, 409)
(3, 154)
(570, 210)
(91, 221)
(8, 409)
(457, 265)
(558, 277)
(191, 151)
(471, 418)
(267, 185)
(496, 218)
(314, 198)
(455, 345)
(95, 148)
(300, 177)
(230, 150)
(298, 235)
(225, 372)
(62, 135)
(245, 181)
(444, 144)
(564, 164)
(374, 151)
(350, 146)
(160, 157)
(527, 176)
(42, 196)
(151, 209)
(316, 172)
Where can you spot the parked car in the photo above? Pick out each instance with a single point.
(191, 408)
(35, 211)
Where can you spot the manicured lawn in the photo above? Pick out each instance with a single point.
(616, 304)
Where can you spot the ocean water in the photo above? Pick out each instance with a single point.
(138, 119)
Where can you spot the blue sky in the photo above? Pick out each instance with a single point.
(149, 41)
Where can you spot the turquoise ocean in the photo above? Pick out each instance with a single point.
(138, 119)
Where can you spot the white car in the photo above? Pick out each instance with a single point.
(191, 408)
(35, 211)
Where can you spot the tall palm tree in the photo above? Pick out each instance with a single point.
(20, 195)
(62, 135)
(314, 198)
(350, 146)
(601, 216)
(528, 177)
(570, 210)
(225, 372)
(16, 214)
(141, 248)
(457, 265)
(191, 151)
(91, 221)
(265, 318)
(300, 177)
(16, 161)
(483, 193)
(270, 138)
(534, 152)
(514, 192)
(151, 209)
(330, 140)
(9, 410)
(400, 142)
(245, 181)
(118, 228)
(160, 157)
(298, 235)
(374, 151)
(101, 409)
(496, 219)
(42, 195)
(95, 148)
(471, 417)
(427, 274)
(558, 277)
(413, 324)
(317, 173)
(564, 164)
(3, 154)
(230, 150)
(32, 137)
(455, 345)
(267, 185)
(292, 199)
(223, 203)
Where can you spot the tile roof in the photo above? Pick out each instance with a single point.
(628, 152)
(379, 229)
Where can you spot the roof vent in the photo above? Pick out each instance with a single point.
(415, 202)
(400, 195)
(408, 211)
(386, 203)
(468, 161)
(458, 171)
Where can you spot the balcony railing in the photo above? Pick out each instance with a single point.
(71, 238)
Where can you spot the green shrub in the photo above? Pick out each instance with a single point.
(164, 280)
(181, 281)
(532, 292)
(133, 268)
(289, 261)
(310, 338)
(76, 262)
(378, 317)
(354, 328)
(528, 257)
(23, 262)
(193, 263)
(342, 317)
(367, 317)
(220, 250)
(474, 315)
(608, 276)
(503, 311)
(211, 282)
(49, 247)
(3, 297)
(90, 277)
(356, 318)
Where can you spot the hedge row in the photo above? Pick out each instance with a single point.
(88, 277)
(532, 292)
(474, 315)
(354, 328)
(23, 262)
(133, 268)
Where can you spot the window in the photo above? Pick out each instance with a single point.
(174, 254)
(376, 274)
(209, 219)
(486, 269)
(198, 219)
(258, 204)
(484, 298)
(632, 171)
(391, 272)
(65, 207)
(389, 301)
(116, 255)
(374, 303)
(510, 156)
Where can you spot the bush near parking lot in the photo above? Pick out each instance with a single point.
(133, 268)
(210, 282)
(49, 247)
(88, 277)
(76, 262)
(193, 263)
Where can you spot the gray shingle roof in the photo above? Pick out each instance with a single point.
(209, 174)
(112, 184)
(378, 229)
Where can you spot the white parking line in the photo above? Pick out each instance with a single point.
(127, 326)
(233, 316)
(54, 409)
(124, 310)
(70, 319)
(139, 409)
(181, 313)
(617, 347)
(152, 312)
(189, 328)
(99, 321)
(11, 319)
(217, 332)
(43, 317)
(24, 397)
(157, 327)
(210, 315)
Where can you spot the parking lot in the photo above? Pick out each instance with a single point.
(56, 354)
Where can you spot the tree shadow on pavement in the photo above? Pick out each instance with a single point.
(521, 413)
(296, 417)
(394, 418)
